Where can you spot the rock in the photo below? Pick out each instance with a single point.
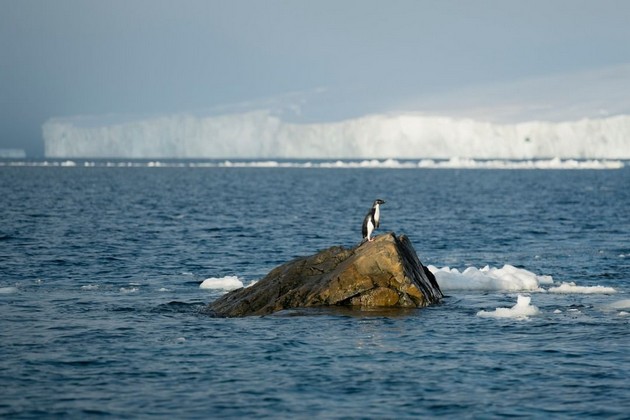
(383, 273)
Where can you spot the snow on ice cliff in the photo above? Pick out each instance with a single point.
(260, 134)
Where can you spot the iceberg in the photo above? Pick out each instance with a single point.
(522, 310)
(263, 135)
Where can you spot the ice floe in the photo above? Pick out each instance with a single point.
(222, 283)
(523, 309)
(571, 287)
(507, 278)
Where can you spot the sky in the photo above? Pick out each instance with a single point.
(313, 60)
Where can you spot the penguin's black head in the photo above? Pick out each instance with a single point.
(379, 201)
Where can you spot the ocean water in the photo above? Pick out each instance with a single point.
(101, 308)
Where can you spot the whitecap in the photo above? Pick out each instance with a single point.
(163, 289)
(620, 304)
(128, 289)
(225, 283)
(90, 287)
(522, 310)
(8, 290)
(571, 287)
(252, 283)
(507, 278)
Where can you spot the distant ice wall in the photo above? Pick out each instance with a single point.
(405, 135)
(12, 154)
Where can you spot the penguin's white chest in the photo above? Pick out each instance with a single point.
(370, 228)
(377, 215)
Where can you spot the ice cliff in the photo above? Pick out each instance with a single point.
(261, 134)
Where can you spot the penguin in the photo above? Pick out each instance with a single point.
(371, 220)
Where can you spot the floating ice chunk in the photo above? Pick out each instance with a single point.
(521, 310)
(507, 278)
(571, 287)
(225, 283)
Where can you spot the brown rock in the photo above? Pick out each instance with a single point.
(382, 273)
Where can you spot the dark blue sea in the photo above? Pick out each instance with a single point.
(102, 313)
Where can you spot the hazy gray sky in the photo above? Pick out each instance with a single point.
(337, 58)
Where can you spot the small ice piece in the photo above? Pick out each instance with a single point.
(225, 283)
(571, 287)
(522, 310)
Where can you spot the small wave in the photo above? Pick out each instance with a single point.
(522, 310)
(507, 278)
(90, 287)
(8, 290)
(222, 283)
(128, 289)
(179, 307)
(620, 304)
(571, 287)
